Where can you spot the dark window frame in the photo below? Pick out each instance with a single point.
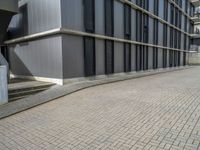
(89, 16)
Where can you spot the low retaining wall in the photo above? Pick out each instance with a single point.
(3, 85)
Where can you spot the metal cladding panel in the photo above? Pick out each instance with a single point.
(73, 56)
(150, 58)
(9, 5)
(151, 6)
(118, 57)
(161, 9)
(133, 56)
(134, 1)
(160, 58)
(37, 15)
(99, 17)
(100, 57)
(41, 58)
(133, 24)
(181, 60)
(168, 37)
(167, 58)
(160, 34)
(151, 34)
(183, 21)
(72, 14)
(118, 20)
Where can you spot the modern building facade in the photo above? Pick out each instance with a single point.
(57, 40)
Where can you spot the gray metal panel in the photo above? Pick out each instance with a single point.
(169, 12)
(42, 15)
(9, 5)
(118, 57)
(73, 56)
(99, 17)
(181, 59)
(167, 58)
(133, 24)
(160, 33)
(134, 1)
(42, 58)
(161, 9)
(151, 34)
(168, 37)
(160, 57)
(118, 19)
(183, 21)
(100, 57)
(150, 59)
(72, 14)
(151, 6)
(133, 57)
(182, 41)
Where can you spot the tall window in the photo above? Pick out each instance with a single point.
(180, 19)
(127, 35)
(109, 18)
(142, 25)
(89, 14)
(109, 31)
(155, 35)
(166, 10)
(185, 24)
(186, 6)
(89, 42)
(156, 7)
(172, 14)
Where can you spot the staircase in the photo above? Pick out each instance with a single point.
(18, 89)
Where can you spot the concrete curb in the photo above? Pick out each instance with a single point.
(60, 91)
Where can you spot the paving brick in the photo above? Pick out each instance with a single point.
(154, 112)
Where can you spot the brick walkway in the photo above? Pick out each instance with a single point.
(155, 112)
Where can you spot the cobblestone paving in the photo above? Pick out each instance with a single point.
(154, 112)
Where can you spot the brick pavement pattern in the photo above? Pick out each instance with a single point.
(155, 112)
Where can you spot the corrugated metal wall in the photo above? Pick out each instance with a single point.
(41, 58)
(63, 56)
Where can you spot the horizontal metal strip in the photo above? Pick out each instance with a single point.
(80, 33)
(134, 6)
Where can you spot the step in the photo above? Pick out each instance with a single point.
(20, 95)
(24, 89)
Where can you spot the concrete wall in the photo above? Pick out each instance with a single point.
(194, 58)
(3, 85)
